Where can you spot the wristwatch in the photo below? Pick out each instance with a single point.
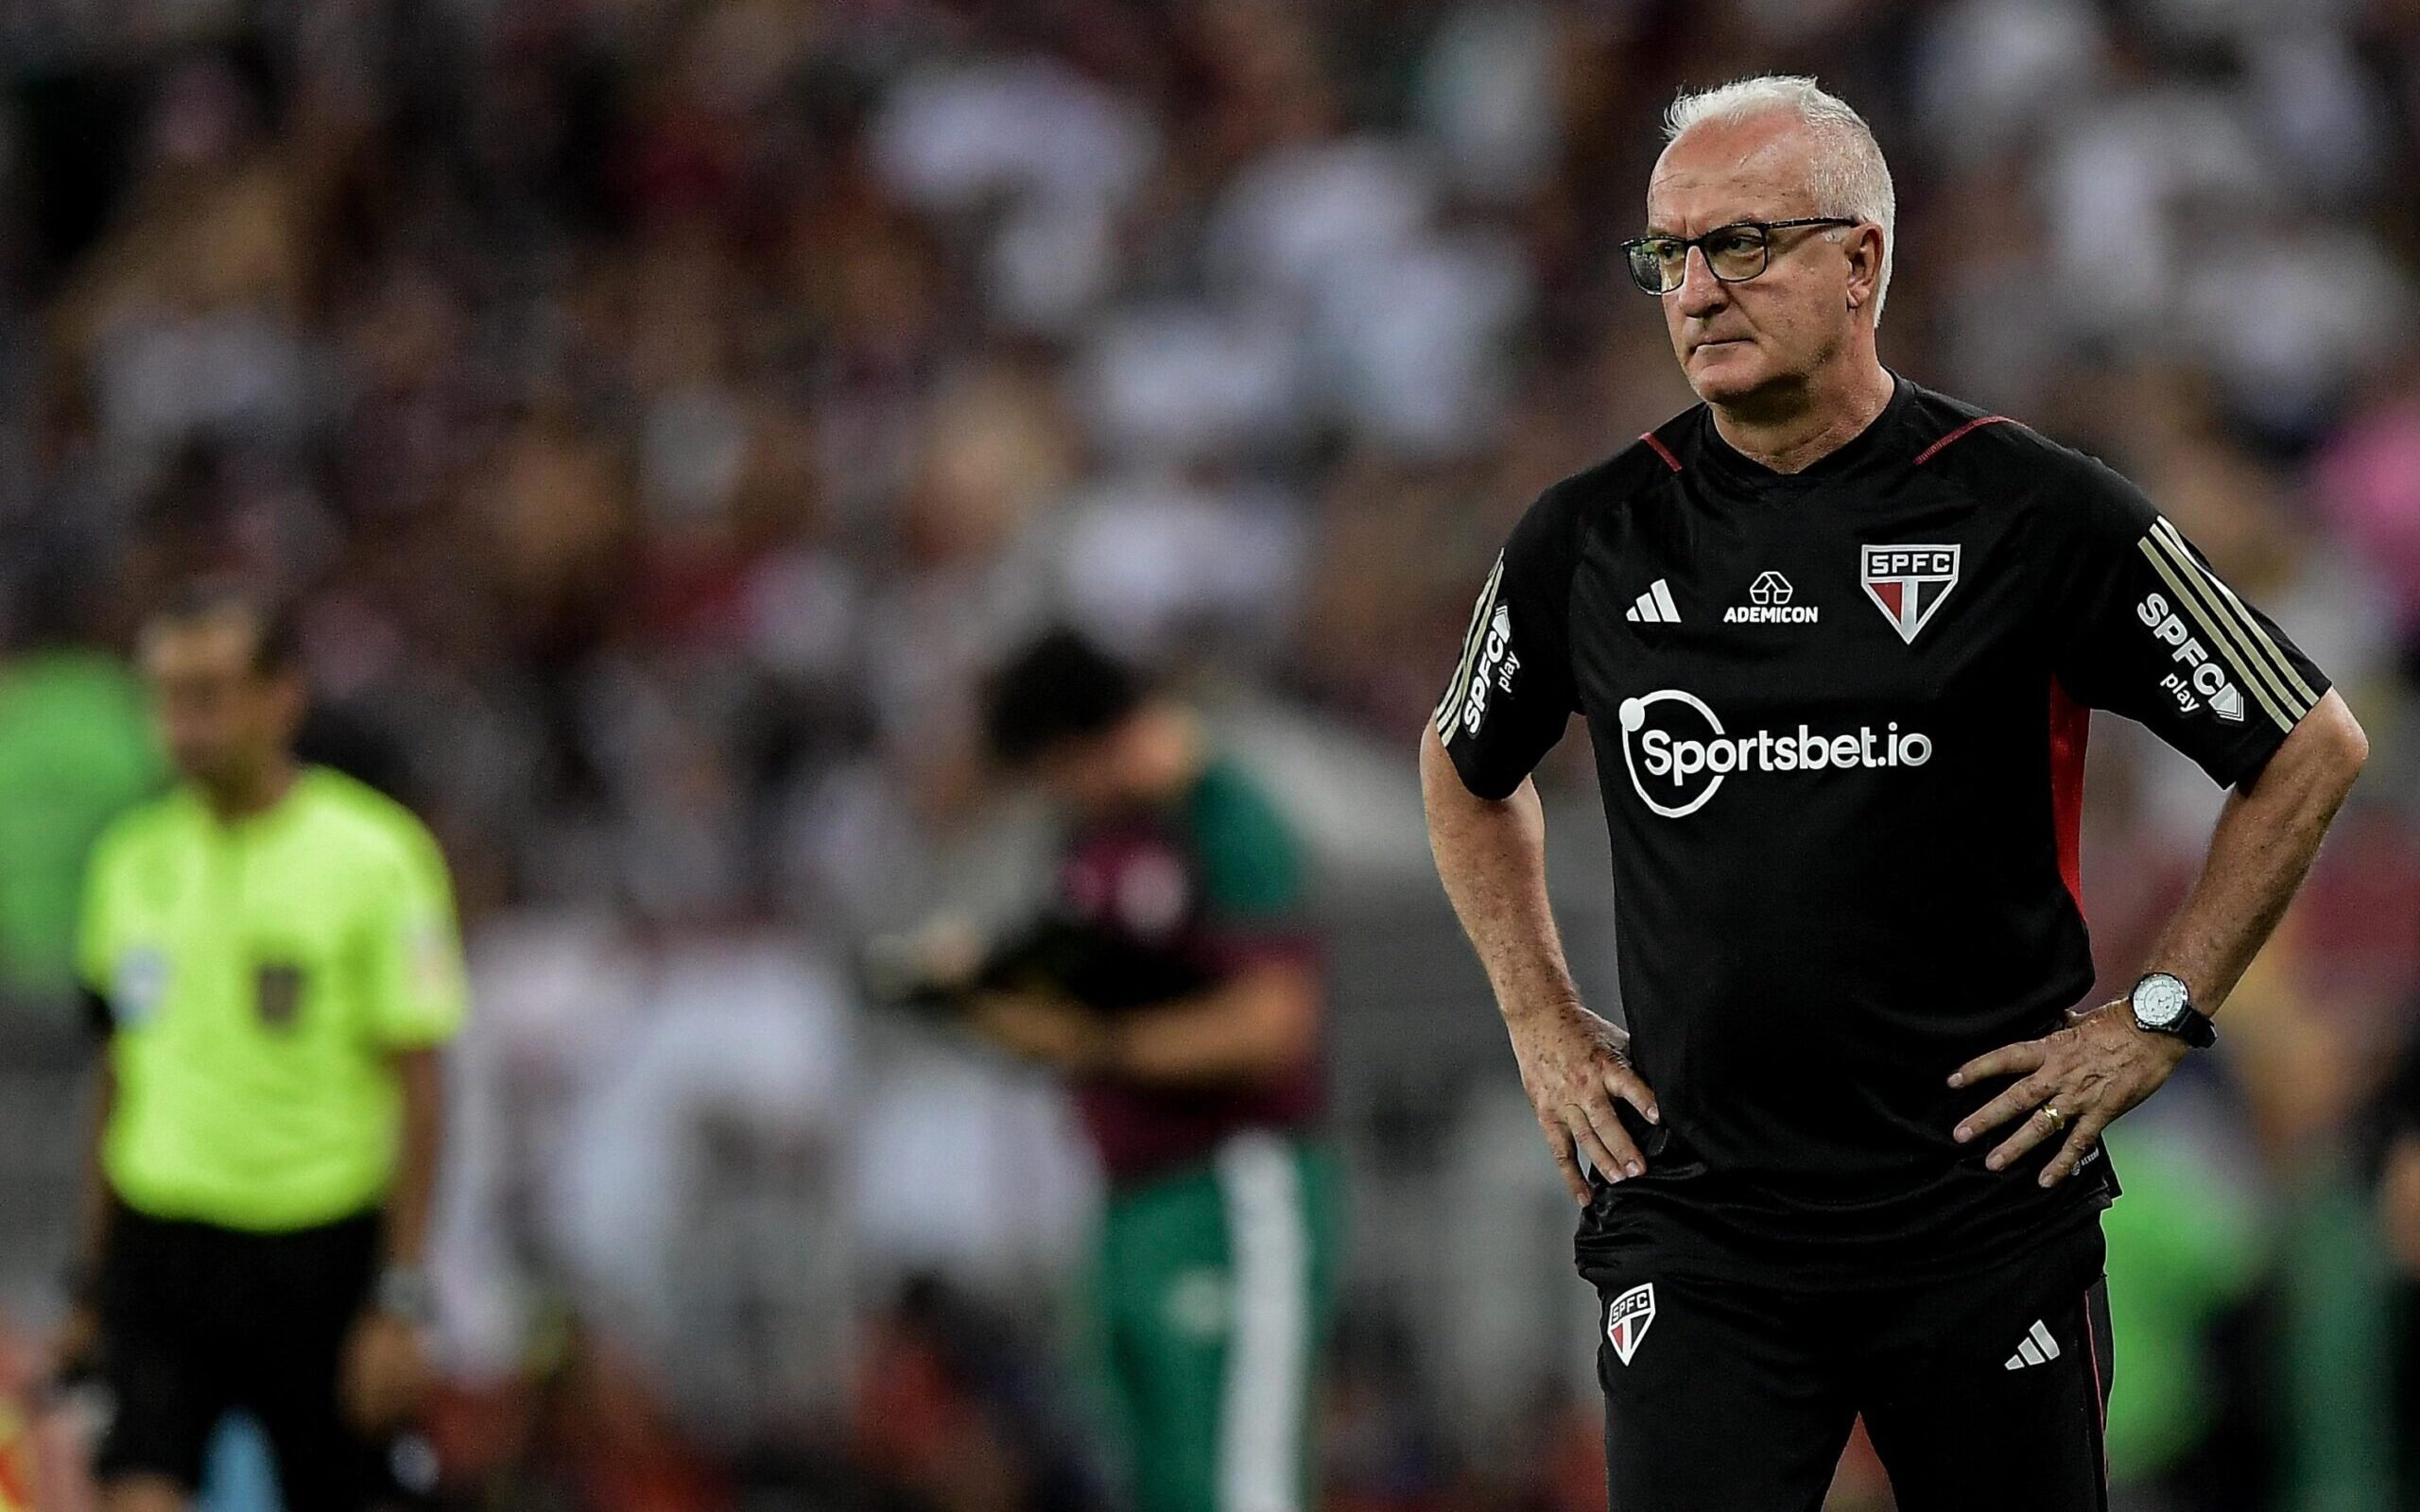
(2162, 1004)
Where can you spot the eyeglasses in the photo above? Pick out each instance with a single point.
(1734, 253)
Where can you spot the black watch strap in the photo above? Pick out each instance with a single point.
(2196, 1029)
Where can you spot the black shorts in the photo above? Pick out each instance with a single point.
(197, 1320)
(1985, 1393)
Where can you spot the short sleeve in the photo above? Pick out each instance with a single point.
(1252, 864)
(1255, 883)
(416, 989)
(1512, 692)
(2146, 630)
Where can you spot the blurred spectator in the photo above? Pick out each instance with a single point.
(1173, 982)
(77, 748)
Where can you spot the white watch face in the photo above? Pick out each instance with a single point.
(2159, 1000)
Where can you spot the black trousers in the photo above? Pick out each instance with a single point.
(1986, 1393)
(197, 1320)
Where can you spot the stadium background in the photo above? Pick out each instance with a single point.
(662, 409)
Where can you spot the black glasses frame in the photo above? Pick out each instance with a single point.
(1649, 274)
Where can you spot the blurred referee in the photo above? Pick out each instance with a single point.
(271, 951)
(1836, 638)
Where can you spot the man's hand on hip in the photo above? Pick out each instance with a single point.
(1573, 1065)
(2077, 1080)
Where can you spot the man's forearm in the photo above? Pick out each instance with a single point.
(1262, 1024)
(1491, 858)
(92, 1213)
(2263, 848)
(420, 1075)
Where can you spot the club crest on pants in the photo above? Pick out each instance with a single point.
(1626, 1320)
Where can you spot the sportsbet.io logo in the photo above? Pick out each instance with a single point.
(1679, 754)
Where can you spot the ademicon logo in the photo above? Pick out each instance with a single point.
(1679, 754)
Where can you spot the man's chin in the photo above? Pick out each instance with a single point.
(210, 776)
(1722, 372)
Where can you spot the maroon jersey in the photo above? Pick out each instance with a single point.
(1215, 880)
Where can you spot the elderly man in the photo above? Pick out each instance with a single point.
(1835, 638)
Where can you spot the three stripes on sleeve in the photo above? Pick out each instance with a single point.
(2262, 669)
(1449, 711)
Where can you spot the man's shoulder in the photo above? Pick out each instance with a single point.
(1963, 443)
(142, 826)
(1611, 483)
(1645, 463)
(2008, 464)
(1241, 835)
(348, 813)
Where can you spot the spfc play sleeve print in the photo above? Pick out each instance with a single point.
(1510, 693)
(2148, 630)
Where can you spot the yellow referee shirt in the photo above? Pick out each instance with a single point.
(258, 974)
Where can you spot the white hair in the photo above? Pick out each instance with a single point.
(1848, 177)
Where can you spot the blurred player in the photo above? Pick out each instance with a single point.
(1835, 637)
(1216, 1250)
(271, 952)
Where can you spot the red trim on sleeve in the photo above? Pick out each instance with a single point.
(1661, 449)
(1974, 424)
(2070, 723)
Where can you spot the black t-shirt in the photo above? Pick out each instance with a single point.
(1839, 719)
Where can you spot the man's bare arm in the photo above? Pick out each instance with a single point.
(92, 1199)
(385, 1372)
(1256, 1026)
(420, 1075)
(2266, 837)
(1261, 1024)
(1490, 855)
(78, 1337)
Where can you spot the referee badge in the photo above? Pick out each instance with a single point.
(1909, 583)
(1626, 1320)
(138, 984)
(277, 993)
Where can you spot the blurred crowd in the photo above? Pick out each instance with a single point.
(662, 412)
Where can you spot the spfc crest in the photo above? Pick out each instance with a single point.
(1909, 583)
(1626, 1320)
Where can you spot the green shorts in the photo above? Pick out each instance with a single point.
(1214, 1289)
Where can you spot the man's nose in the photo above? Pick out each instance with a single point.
(1700, 293)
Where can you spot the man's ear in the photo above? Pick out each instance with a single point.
(1865, 266)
